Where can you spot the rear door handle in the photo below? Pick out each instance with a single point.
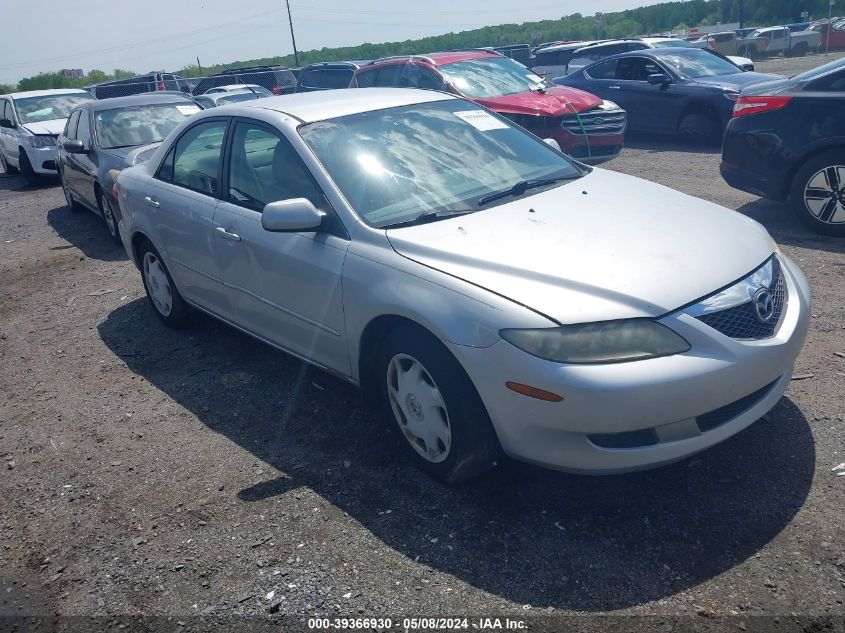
(226, 234)
(615, 87)
(152, 203)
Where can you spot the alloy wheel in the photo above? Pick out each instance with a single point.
(158, 285)
(108, 216)
(419, 408)
(824, 195)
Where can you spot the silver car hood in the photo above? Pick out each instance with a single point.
(607, 246)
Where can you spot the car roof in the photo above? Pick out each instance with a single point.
(440, 58)
(44, 93)
(337, 65)
(144, 98)
(328, 104)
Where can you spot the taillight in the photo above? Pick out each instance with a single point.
(161, 85)
(276, 90)
(745, 106)
(711, 43)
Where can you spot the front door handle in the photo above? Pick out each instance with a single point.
(151, 202)
(615, 87)
(227, 234)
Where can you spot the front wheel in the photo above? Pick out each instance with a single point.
(700, 127)
(109, 216)
(428, 395)
(818, 193)
(164, 297)
(26, 168)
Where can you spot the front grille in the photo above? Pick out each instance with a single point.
(718, 417)
(741, 322)
(596, 122)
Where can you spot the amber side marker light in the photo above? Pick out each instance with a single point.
(533, 392)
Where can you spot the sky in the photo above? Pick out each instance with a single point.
(170, 34)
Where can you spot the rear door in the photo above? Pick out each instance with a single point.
(287, 286)
(8, 136)
(182, 197)
(68, 134)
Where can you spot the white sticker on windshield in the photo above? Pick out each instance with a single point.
(481, 120)
(188, 110)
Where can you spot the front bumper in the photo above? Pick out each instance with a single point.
(43, 160)
(660, 397)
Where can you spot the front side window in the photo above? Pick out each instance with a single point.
(388, 76)
(636, 69)
(49, 107)
(7, 111)
(83, 130)
(139, 125)
(196, 158)
(416, 76)
(265, 168)
(490, 77)
(72, 122)
(442, 157)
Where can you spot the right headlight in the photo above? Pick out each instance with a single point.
(600, 342)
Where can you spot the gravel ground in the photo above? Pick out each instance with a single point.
(150, 472)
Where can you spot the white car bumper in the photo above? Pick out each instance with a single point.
(635, 415)
(42, 159)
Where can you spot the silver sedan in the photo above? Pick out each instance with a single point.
(488, 294)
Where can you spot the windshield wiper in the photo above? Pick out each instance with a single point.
(522, 186)
(425, 218)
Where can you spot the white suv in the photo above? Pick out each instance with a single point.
(30, 123)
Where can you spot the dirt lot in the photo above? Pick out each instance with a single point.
(172, 474)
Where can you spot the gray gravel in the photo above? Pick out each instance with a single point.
(146, 471)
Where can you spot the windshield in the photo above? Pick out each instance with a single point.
(672, 44)
(694, 64)
(238, 96)
(491, 77)
(443, 157)
(48, 107)
(139, 125)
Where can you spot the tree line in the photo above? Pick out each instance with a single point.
(653, 19)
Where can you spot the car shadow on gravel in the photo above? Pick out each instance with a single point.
(525, 534)
(87, 232)
(9, 182)
(656, 143)
(780, 220)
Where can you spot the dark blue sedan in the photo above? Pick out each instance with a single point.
(683, 91)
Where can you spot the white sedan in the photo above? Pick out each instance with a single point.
(487, 293)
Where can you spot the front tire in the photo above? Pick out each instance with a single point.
(26, 168)
(107, 209)
(428, 395)
(818, 193)
(700, 127)
(162, 293)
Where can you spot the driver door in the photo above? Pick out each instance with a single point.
(286, 286)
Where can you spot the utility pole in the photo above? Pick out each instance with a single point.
(292, 38)
(740, 13)
(829, 25)
(199, 65)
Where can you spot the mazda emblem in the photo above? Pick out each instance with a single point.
(764, 305)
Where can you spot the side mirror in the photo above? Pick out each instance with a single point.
(552, 143)
(658, 79)
(7, 124)
(292, 216)
(74, 147)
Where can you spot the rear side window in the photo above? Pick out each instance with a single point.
(337, 78)
(367, 79)
(834, 82)
(70, 127)
(310, 79)
(196, 158)
(604, 70)
(388, 76)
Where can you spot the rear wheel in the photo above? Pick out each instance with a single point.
(818, 193)
(165, 299)
(6, 166)
(426, 392)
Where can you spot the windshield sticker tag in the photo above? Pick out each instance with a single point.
(481, 120)
(188, 109)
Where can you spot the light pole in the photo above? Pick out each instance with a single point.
(829, 26)
(292, 38)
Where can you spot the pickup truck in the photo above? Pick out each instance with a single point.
(776, 40)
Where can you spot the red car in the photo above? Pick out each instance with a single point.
(835, 32)
(585, 126)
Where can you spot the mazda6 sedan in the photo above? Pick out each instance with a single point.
(489, 294)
